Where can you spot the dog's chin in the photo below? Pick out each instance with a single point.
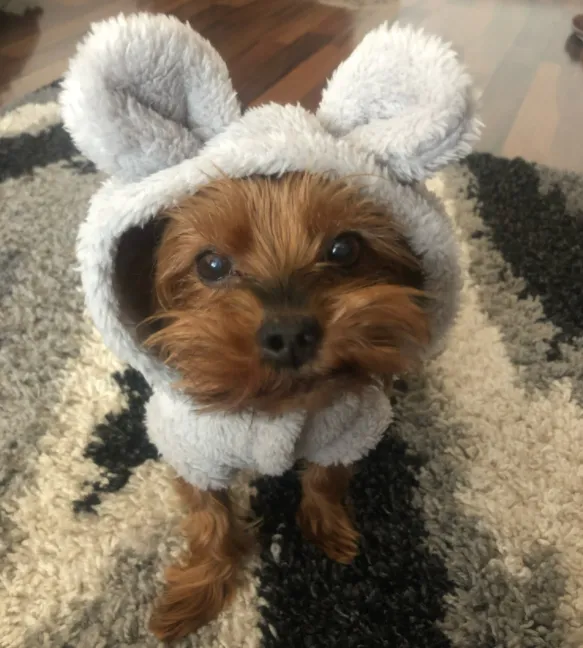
(287, 391)
(312, 394)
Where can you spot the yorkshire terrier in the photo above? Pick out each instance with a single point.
(280, 302)
(275, 294)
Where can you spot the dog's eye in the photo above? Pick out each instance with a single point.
(344, 250)
(213, 267)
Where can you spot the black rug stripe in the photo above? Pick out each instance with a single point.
(120, 443)
(393, 593)
(540, 240)
(21, 154)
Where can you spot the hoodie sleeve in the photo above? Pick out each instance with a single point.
(347, 431)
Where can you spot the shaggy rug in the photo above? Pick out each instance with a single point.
(471, 509)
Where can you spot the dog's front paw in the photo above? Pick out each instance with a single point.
(329, 528)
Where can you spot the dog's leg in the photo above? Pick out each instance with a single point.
(199, 588)
(323, 516)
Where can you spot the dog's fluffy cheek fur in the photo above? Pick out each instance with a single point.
(374, 330)
(214, 349)
(369, 331)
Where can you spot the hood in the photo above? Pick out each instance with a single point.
(150, 102)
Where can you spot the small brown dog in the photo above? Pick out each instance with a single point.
(276, 294)
(281, 265)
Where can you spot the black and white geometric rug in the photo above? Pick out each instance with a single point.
(471, 509)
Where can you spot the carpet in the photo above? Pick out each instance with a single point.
(471, 509)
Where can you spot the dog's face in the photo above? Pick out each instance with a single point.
(277, 294)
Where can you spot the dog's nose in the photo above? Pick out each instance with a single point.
(289, 340)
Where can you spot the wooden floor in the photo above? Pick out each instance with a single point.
(520, 53)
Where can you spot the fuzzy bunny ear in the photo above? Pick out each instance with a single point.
(406, 98)
(143, 93)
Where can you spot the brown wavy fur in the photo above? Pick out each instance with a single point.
(199, 588)
(323, 516)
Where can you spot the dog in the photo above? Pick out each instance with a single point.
(276, 294)
(268, 271)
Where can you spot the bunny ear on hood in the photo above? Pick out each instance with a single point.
(145, 92)
(404, 97)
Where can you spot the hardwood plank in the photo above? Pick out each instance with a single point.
(300, 81)
(277, 62)
(567, 148)
(30, 82)
(307, 19)
(538, 114)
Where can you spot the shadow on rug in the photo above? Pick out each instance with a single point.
(471, 509)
